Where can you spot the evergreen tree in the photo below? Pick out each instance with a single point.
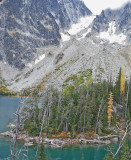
(125, 153)
(116, 89)
(109, 156)
(129, 101)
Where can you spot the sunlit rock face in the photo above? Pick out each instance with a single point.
(26, 25)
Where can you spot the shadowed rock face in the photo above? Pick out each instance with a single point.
(26, 25)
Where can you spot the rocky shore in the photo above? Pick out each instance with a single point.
(57, 142)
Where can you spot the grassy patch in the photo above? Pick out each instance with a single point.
(82, 78)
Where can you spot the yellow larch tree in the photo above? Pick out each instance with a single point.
(109, 109)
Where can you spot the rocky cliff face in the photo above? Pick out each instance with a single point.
(40, 33)
(118, 20)
(26, 25)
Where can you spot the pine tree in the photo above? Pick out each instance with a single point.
(108, 157)
(123, 154)
(116, 90)
(125, 151)
(129, 101)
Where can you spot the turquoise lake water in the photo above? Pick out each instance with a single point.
(8, 106)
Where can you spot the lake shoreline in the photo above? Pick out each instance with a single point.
(58, 142)
(9, 106)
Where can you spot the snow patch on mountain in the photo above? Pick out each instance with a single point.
(40, 58)
(82, 24)
(65, 37)
(111, 36)
(29, 65)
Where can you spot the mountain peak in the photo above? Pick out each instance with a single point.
(120, 18)
(26, 26)
(127, 5)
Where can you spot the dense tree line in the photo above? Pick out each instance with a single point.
(73, 111)
(81, 108)
(5, 92)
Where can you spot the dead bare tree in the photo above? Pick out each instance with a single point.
(39, 139)
(128, 124)
(21, 117)
(18, 114)
(23, 150)
(98, 116)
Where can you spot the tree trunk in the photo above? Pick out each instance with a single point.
(43, 120)
(13, 152)
(98, 116)
(84, 121)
